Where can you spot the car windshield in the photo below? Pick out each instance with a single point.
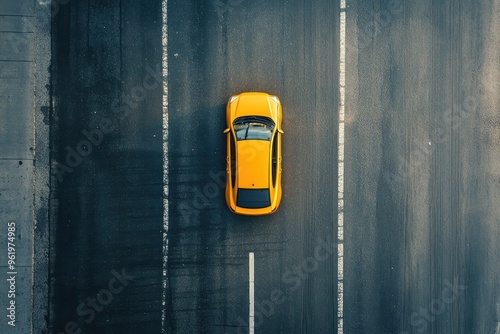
(253, 127)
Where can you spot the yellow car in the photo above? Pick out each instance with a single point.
(253, 185)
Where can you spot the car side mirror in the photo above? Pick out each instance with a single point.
(281, 131)
(227, 130)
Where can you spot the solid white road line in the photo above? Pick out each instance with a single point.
(251, 329)
(340, 218)
(164, 42)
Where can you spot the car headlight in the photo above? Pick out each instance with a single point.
(233, 98)
(275, 99)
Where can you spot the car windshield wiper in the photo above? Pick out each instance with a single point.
(246, 131)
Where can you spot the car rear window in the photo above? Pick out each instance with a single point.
(253, 198)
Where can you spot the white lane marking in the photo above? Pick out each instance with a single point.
(251, 318)
(164, 42)
(340, 217)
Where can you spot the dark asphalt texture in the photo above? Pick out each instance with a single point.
(421, 167)
(251, 47)
(421, 172)
(109, 206)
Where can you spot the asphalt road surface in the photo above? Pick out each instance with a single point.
(422, 175)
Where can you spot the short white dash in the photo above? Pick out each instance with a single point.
(251, 318)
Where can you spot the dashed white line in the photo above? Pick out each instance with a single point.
(251, 293)
(164, 42)
(340, 217)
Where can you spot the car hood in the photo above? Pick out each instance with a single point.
(255, 105)
(253, 164)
